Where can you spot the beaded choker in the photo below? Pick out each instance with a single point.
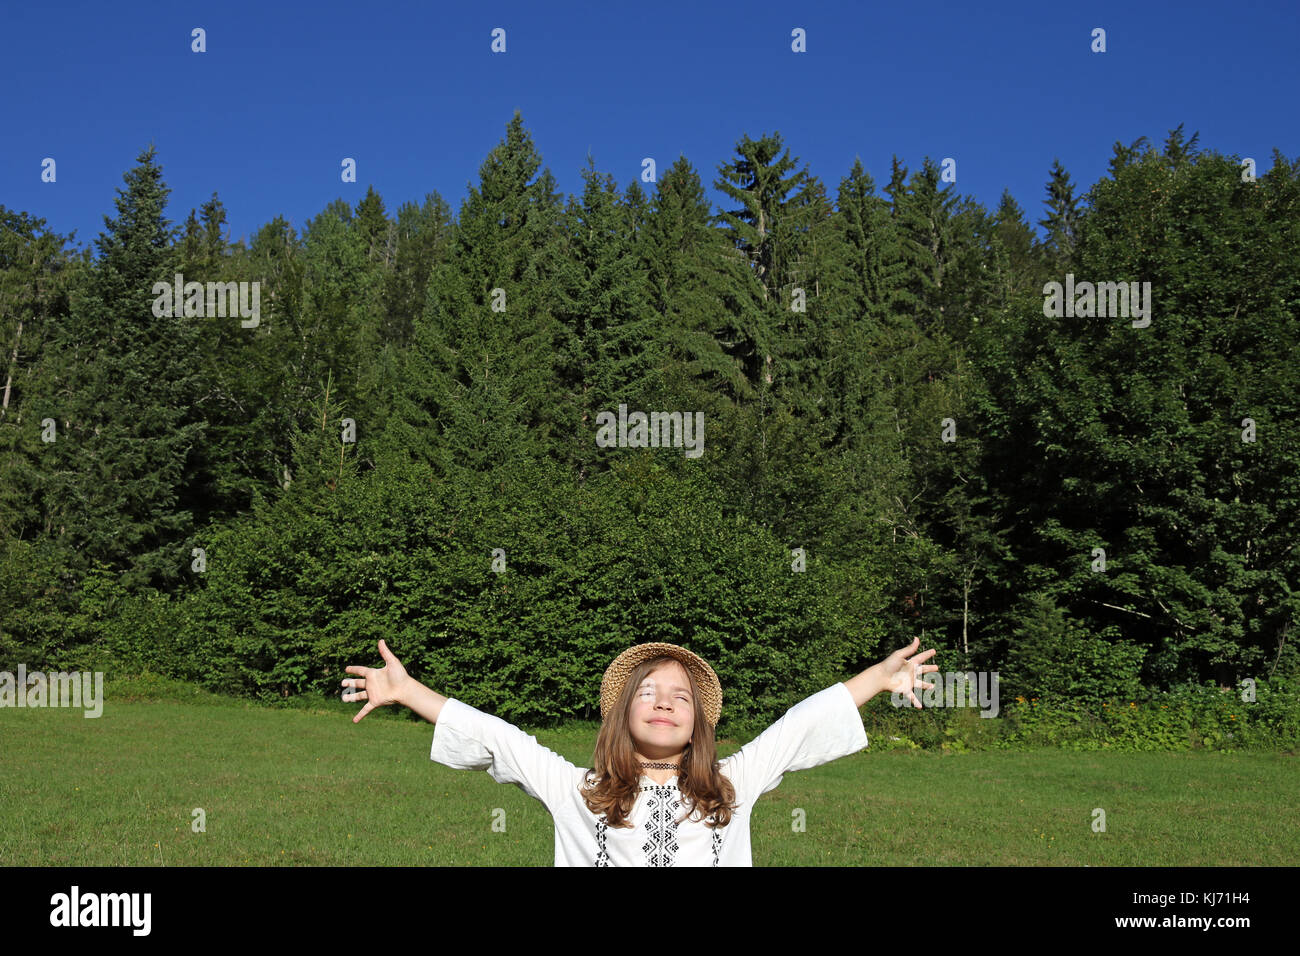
(661, 766)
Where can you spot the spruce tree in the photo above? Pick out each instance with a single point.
(422, 234)
(1021, 273)
(127, 382)
(703, 289)
(772, 216)
(482, 387)
(374, 227)
(1062, 221)
(616, 353)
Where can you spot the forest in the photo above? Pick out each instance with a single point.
(900, 435)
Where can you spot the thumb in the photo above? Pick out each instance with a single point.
(385, 653)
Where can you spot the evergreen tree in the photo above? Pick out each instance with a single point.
(705, 297)
(896, 189)
(35, 276)
(213, 215)
(271, 381)
(1021, 272)
(1140, 429)
(703, 289)
(769, 224)
(375, 228)
(1125, 155)
(341, 311)
(191, 250)
(423, 236)
(1063, 219)
(124, 386)
(928, 237)
(635, 208)
(617, 355)
(1179, 150)
(482, 387)
(784, 227)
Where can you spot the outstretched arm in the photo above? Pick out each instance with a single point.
(466, 739)
(391, 684)
(898, 673)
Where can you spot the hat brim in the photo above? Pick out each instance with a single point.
(616, 675)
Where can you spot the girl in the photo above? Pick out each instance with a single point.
(656, 794)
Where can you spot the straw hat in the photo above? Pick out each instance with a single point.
(616, 675)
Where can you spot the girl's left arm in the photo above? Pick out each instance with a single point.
(896, 674)
(820, 728)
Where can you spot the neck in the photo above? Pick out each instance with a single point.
(659, 774)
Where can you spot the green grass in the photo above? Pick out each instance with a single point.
(304, 786)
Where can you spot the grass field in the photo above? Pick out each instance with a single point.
(307, 787)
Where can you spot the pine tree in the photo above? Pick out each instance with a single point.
(374, 227)
(191, 251)
(341, 311)
(1125, 155)
(271, 380)
(635, 207)
(1179, 150)
(1021, 272)
(896, 189)
(213, 215)
(35, 276)
(872, 243)
(203, 248)
(617, 355)
(126, 383)
(1063, 219)
(768, 225)
(785, 229)
(928, 237)
(423, 235)
(481, 387)
(703, 289)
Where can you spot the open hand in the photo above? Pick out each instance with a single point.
(377, 686)
(902, 674)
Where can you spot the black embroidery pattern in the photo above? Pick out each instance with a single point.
(602, 855)
(717, 843)
(660, 847)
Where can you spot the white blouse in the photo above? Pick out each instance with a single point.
(817, 730)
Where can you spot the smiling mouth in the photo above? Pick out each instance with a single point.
(666, 723)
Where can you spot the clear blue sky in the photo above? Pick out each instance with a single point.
(412, 91)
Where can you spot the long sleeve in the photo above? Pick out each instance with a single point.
(817, 730)
(468, 739)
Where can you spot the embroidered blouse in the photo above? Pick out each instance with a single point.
(817, 730)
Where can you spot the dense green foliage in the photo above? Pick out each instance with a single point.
(204, 513)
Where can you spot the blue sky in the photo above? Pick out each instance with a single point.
(412, 92)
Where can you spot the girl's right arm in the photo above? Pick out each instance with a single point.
(391, 684)
(467, 739)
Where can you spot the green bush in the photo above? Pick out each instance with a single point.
(1189, 717)
(294, 593)
(1051, 656)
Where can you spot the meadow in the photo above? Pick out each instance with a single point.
(304, 786)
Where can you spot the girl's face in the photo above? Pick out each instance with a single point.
(662, 718)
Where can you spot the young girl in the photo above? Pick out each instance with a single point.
(656, 794)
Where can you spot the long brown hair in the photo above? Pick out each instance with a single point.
(615, 776)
